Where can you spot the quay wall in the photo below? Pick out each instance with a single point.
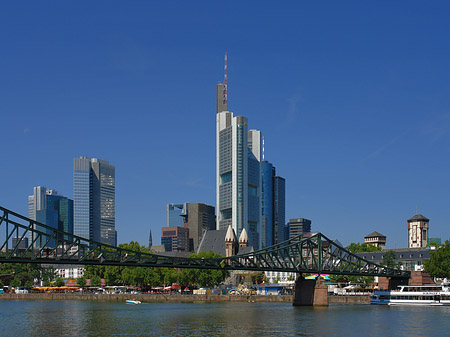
(164, 298)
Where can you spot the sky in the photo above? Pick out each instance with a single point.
(353, 98)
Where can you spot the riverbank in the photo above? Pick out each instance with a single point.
(176, 298)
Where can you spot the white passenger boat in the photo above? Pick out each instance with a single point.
(413, 295)
(133, 302)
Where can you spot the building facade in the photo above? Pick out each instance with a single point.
(51, 209)
(299, 226)
(267, 226)
(201, 218)
(94, 200)
(176, 214)
(376, 239)
(175, 239)
(418, 227)
(281, 232)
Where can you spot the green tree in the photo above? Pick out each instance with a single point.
(81, 281)
(59, 282)
(29, 284)
(362, 247)
(389, 259)
(203, 277)
(15, 283)
(96, 281)
(439, 263)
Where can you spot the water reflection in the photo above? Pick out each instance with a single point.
(85, 318)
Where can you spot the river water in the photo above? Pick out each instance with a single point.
(88, 318)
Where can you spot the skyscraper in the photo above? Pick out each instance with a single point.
(94, 199)
(238, 170)
(201, 218)
(279, 210)
(176, 214)
(54, 210)
(267, 228)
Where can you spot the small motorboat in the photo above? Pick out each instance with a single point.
(133, 302)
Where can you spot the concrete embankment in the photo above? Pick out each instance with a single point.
(162, 298)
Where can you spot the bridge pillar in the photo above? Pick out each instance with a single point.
(310, 292)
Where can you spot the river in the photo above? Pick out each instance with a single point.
(90, 318)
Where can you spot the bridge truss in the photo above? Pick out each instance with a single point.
(313, 254)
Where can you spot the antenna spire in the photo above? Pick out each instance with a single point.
(225, 93)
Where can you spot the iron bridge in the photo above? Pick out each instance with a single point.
(313, 254)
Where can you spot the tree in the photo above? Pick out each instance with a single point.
(15, 283)
(96, 281)
(389, 259)
(81, 281)
(59, 282)
(439, 263)
(362, 247)
(203, 277)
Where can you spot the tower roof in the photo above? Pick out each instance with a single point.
(243, 237)
(418, 217)
(374, 234)
(230, 237)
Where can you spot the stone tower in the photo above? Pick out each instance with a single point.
(418, 231)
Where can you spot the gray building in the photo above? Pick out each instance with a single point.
(94, 189)
(201, 218)
(409, 258)
(299, 226)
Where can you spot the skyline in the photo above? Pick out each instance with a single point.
(352, 100)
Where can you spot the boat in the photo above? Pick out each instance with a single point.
(133, 302)
(426, 295)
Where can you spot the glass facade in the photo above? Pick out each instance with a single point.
(279, 216)
(94, 200)
(176, 214)
(267, 232)
(49, 208)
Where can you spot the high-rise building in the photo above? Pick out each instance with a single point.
(238, 171)
(267, 228)
(51, 209)
(176, 214)
(279, 209)
(94, 199)
(299, 226)
(201, 218)
(418, 231)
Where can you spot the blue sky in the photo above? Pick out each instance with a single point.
(352, 97)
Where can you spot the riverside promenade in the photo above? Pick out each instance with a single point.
(176, 298)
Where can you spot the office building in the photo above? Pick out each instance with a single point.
(51, 209)
(175, 239)
(281, 232)
(418, 231)
(201, 218)
(238, 171)
(176, 214)
(299, 226)
(94, 199)
(267, 227)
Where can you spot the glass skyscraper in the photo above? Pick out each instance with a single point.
(54, 210)
(94, 199)
(267, 228)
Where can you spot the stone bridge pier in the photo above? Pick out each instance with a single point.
(310, 292)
